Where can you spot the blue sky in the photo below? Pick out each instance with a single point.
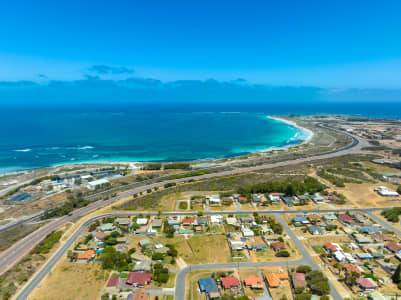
(332, 45)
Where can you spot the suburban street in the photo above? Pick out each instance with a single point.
(180, 281)
(11, 256)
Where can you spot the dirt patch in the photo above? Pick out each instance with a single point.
(75, 280)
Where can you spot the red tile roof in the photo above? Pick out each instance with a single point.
(140, 294)
(366, 283)
(100, 235)
(393, 247)
(139, 278)
(351, 268)
(87, 255)
(277, 246)
(331, 247)
(229, 281)
(298, 280)
(253, 281)
(346, 218)
(112, 281)
(188, 221)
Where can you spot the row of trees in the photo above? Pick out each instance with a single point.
(393, 214)
(67, 207)
(290, 188)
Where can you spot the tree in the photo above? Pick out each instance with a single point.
(397, 275)
(283, 253)
(304, 269)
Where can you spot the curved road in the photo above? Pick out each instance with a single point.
(181, 277)
(11, 256)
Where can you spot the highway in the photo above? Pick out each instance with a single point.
(180, 281)
(16, 252)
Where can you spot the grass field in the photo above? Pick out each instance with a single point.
(72, 281)
(9, 237)
(208, 249)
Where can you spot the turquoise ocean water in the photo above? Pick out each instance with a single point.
(39, 139)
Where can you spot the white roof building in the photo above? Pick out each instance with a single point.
(96, 183)
(339, 256)
(247, 232)
(216, 219)
(214, 199)
(141, 221)
(231, 221)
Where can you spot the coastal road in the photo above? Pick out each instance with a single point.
(180, 281)
(16, 252)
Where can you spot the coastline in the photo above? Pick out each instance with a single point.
(136, 163)
(292, 123)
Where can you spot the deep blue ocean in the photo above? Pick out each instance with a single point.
(39, 137)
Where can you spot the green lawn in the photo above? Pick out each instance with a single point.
(319, 249)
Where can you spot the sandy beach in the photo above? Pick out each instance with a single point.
(309, 132)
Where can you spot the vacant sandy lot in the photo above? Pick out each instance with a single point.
(72, 281)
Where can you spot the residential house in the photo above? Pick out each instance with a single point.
(339, 256)
(139, 279)
(232, 221)
(208, 286)
(203, 221)
(274, 198)
(122, 221)
(288, 201)
(214, 200)
(188, 221)
(172, 221)
(371, 230)
(142, 221)
(266, 229)
(99, 236)
(230, 282)
(332, 247)
(393, 247)
(304, 198)
(315, 230)
(86, 256)
(216, 219)
(247, 232)
(366, 284)
(300, 220)
(317, 198)
(111, 286)
(277, 246)
(256, 198)
(334, 198)
(350, 268)
(258, 247)
(363, 239)
(253, 282)
(364, 256)
(246, 220)
(243, 199)
(227, 200)
(144, 243)
(345, 218)
(330, 217)
(236, 245)
(298, 280)
(313, 218)
(107, 227)
(274, 279)
(157, 223)
(143, 266)
(140, 294)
